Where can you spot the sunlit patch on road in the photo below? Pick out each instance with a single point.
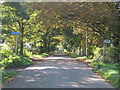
(58, 72)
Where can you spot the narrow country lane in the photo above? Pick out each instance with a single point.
(58, 71)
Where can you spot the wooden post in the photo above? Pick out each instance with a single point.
(16, 46)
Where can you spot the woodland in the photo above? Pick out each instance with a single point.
(81, 28)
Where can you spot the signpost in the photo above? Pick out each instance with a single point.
(104, 47)
(16, 33)
(106, 41)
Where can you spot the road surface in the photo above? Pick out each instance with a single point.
(58, 71)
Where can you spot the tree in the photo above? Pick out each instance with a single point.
(15, 17)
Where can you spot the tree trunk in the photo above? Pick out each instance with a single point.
(21, 41)
(45, 44)
(86, 45)
(79, 50)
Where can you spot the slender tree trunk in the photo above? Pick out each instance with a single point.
(79, 50)
(45, 44)
(86, 45)
(21, 41)
(49, 46)
(21, 27)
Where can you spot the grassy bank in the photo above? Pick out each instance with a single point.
(15, 62)
(41, 55)
(7, 75)
(108, 71)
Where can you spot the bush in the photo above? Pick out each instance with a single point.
(15, 61)
(98, 54)
(112, 54)
(9, 61)
(28, 53)
(6, 53)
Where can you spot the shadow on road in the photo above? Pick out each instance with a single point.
(58, 71)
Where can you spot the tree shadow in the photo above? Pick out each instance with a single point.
(55, 73)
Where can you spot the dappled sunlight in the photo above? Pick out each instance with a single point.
(52, 67)
(58, 73)
(30, 80)
(70, 84)
(59, 57)
(40, 68)
(94, 79)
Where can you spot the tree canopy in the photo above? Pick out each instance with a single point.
(74, 24)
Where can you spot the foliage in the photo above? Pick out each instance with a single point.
(6, 53)
(43, 24)
(71, 40)
(7, 75)
(15, 61)
(112, 54)
(14, 18)
(28, 53)
(98, 53)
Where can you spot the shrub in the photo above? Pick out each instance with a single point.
(28, 53)
(15, 61)
(98, 54)
(10, 61)
(24, 61)
(112, 54)
(6, 53)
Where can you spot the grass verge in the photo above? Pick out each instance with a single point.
(108, 71)
(73, 55)
(41, 55)
(15, 62)
(7, 75)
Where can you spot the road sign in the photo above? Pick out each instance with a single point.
(16, 33)
(106, 41)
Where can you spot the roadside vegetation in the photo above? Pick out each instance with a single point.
(41, 55)
(108, 71)
(7, 75)
(12, 61)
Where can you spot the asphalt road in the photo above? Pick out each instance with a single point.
(58, 71)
